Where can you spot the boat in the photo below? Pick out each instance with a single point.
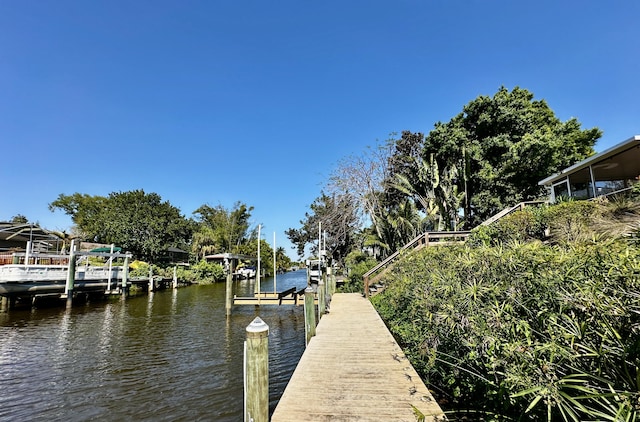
(247, 272)
(31, 274)
(314, 270)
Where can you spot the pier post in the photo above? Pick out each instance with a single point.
(256, 382)
(110, 271)
(71, 274)
(125, 276)
(151, 284)
(175, 277)
(4, 304)
(309, 314)
(229, 286)
(227, 302)
(327, 291)
(322, 299)
(332, 280)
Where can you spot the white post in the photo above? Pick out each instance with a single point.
(26, 253)
(258, 272)
(71, 274)
(256, 372)
(319, 239)
(175, 277)
(110, 269)
(275, 291)
(593, 182)
(125, 276)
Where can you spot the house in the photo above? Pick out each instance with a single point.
(614, 170)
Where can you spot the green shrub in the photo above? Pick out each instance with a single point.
(520, 226)
(531, 331)
(573, 221)
(208, 272)
(357, 264)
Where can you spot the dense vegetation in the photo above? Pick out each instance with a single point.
(537, 317)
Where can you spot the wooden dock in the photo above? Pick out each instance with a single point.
(353, 370)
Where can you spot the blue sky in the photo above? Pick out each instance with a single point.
(213, 102)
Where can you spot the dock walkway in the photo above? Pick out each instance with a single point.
(353, 370)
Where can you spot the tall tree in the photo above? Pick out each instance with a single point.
(361, 178)
(221, 229)
(136, 221)
(19, 219)
(338, 215)
(493, 154)
(85, 212)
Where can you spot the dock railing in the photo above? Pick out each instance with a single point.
(507, 211)
(435, 238)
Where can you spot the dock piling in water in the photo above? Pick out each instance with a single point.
(309, 314)
(71, 274)
(125, 276)
(321, 299)
(256, 383)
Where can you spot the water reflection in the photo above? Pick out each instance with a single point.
(171, 355)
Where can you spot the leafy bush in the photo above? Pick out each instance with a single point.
(356, 263)
(208, 272)
(529, 331)
(573, 221)
(520, 226)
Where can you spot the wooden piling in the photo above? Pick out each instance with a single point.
(256, 383)
(229, 286)
(71, 274)
(309, 314)
(4, 304)
(175, 277)
(229, 293)
(151, 285)
(322, 299)
(125, 276)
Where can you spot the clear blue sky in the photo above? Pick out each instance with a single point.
(256, 101)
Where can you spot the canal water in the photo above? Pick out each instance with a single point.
(167, 356)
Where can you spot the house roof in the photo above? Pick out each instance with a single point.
(24, 232)
(625, 166)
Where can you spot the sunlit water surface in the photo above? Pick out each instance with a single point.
(171, 355)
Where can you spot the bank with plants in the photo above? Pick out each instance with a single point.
(537, 317)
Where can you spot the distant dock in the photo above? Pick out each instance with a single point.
(353, 370)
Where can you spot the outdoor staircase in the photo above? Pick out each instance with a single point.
(436, 238)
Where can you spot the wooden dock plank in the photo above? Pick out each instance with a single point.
(353, 370)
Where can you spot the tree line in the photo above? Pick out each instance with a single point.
(145, 225)
(488, 157)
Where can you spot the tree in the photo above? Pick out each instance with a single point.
(220, 229)
(338, 215)
(136, 221)
(283, 261)
(493, 154)
(361, 178)
(402, 162)
(19, 219)
(85, 212)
